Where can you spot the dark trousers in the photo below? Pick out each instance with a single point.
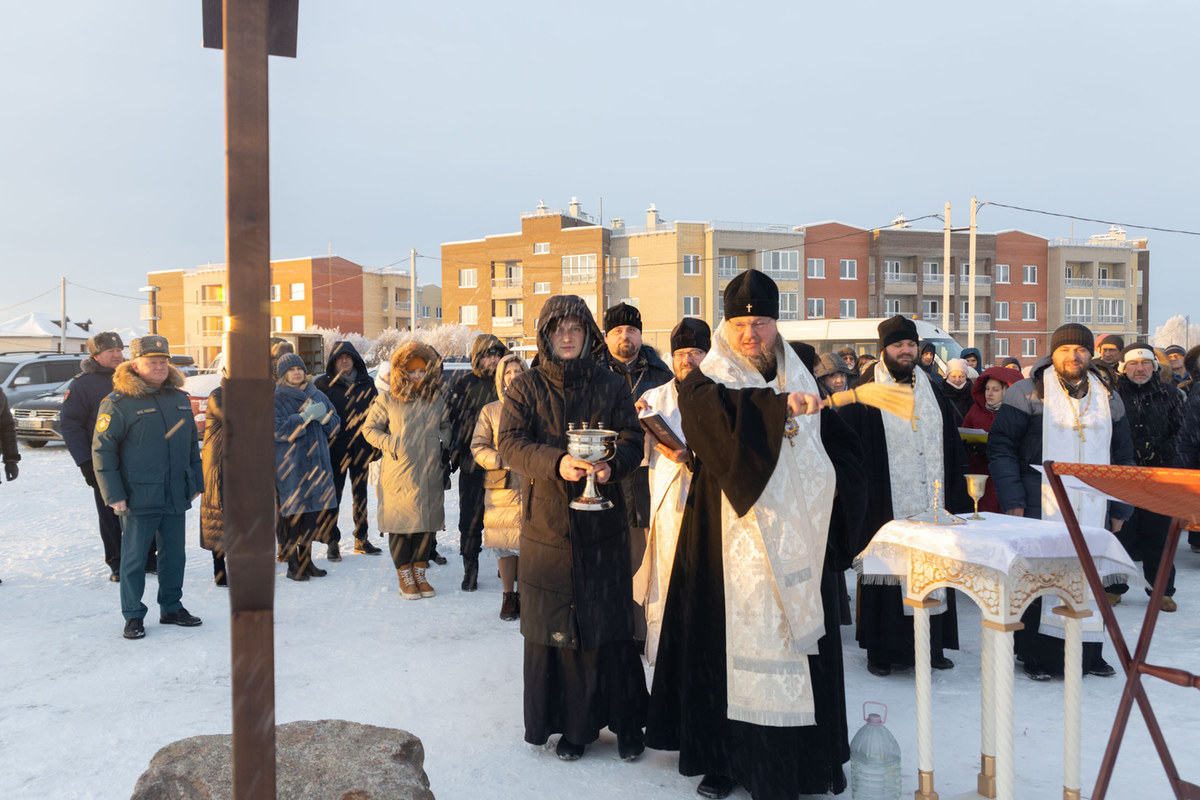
(470, 511)
(110, 534)
(358, 491)
(409, 548)
(140, 531)
(301, 529)
(1144, 536)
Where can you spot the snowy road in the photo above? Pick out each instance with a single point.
(83, 710)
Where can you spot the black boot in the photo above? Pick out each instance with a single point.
(295, 570)
(306, 561)
(434, 556)
(219, 574)
(470, 573)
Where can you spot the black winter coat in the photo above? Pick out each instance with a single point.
(8, 431)
(960, 399)
(351, 401)
(81, 406)
(212, 502)
(576, 580)
(469, 394)
(1187, 452)
(1155, 411)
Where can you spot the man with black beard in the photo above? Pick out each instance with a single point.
(904, 458)
(748, 682)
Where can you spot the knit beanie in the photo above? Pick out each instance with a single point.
(622, 314)
(289, 361)
(691, 332)
(1072, 333)
(1113, 339)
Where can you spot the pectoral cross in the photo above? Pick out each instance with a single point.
(1078, 428)
(915, 417)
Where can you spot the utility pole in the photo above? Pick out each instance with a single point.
(971, 279)
(62, 315)
(329, 284)
(946, 272)
(412, 290)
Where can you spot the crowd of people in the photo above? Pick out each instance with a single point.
(734, 501)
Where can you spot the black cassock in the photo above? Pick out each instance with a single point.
(884, 630)
(736, 435)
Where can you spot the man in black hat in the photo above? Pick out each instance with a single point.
(81, 406)
(928, 362)
(1175, 355)
(748, 683)
(1062, 412)
(670, 473)
(147, 463)
(1110, 349)
(642, 370)
(904, 460)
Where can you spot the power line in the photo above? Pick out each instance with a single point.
(101, 291)
(30, 300)
(1089, 219)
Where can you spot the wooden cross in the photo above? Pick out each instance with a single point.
(248, 31)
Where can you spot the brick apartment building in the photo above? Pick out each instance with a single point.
(324, 291)
(1025, 285)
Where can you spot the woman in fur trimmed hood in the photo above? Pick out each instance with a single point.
(304, 421)
(408, 424)
(502, 498)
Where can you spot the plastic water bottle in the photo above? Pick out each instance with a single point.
(874, 760)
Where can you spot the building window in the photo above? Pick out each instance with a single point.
(297, 291)
(468, 278)
(691, 265)
(541, 248)
(298, 323)
(1028, 348)
(964, 309)
(691, 306)
(932, 270)
(385, 322)
(816, 268)
(1029, 312)
(385, 303)
(275, 293)
(629, 268)
(849, 309)
(727, 266)
(816, 308)
(468, 315)
(438, 312)
(1002, 274)
(848, 269)
(541, 288)
(782, 265)
(891, 271)
(891, 307)
(424, 312)
(1002, 311)
(579, 269)
(1110, 311)
(931, 308)
(789, 305)
(276, 324)
(1031, 273)
(1001, 348)
(633, 301)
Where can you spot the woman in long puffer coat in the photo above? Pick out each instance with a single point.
(502, 496)
(212, 503)
(304, 421)
(408, 424)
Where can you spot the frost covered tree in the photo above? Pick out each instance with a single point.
(448, 340)
(1176, 331)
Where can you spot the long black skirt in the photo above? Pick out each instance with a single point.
(579, 692)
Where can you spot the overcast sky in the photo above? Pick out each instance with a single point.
(409, 124)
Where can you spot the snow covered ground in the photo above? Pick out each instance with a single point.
(83, 710)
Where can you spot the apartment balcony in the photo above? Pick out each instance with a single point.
(1082, 319)
(725, 273)
(900, 277)
(980, 280)
(579, 277)
(507, 322)
(935, 317)
(210, 301)
(151, 312)
(1106, 319)
(1139, 288)
(980, 319)
(1080, 283)
(782, 274)
(509, 286)
(1113, 283)
(210, 334)
(931, 279)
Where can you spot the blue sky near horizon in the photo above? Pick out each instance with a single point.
(404, 126)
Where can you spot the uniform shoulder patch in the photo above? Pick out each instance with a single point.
(115, 396)
(102, 422)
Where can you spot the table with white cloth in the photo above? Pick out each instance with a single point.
(1003, 563)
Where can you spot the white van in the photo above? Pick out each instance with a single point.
(831, 335)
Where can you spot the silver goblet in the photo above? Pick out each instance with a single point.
(592, 445)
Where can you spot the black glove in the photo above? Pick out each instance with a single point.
(89, 473)
(11, 471)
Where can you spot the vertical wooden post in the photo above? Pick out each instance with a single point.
(249, 502)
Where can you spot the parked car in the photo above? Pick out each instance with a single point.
(198, 388)
(25, 375)
(37, 418)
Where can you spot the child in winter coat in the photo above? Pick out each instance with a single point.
(502, 499)
(304, 421)
(408, 424)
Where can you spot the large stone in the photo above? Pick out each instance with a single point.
(330, 759)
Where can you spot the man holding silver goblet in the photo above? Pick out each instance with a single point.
(567, 419)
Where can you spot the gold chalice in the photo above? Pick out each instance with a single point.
(976, 484)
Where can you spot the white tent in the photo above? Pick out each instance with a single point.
(40, 331)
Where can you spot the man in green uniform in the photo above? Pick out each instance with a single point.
(148, 467)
